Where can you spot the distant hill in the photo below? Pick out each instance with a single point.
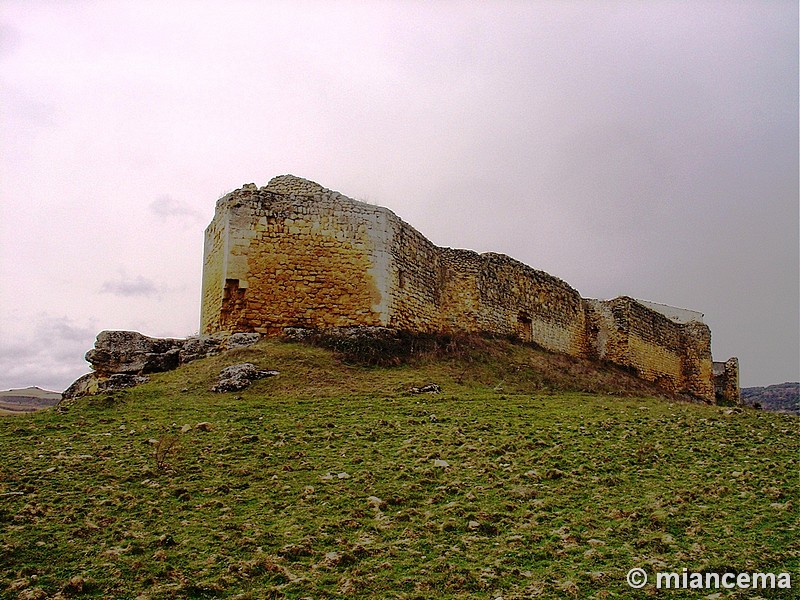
(784, 397)
(27, 400)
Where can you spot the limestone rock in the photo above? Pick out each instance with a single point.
(132, 352)
(82, 386)
(95, 383)
(241, 340)
(238, 377)
(197, 347)
(121, 381)
(431, 388)
(122, 359)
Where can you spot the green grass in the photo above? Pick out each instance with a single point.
(547, 493)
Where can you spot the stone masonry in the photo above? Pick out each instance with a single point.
(294, 254)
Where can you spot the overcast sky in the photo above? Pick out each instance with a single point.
(647, 149)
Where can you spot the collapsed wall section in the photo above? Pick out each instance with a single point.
(726, 382)
(675, 355)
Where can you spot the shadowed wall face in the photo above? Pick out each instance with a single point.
(294, 254)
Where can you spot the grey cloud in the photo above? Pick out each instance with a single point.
(129, 286)
(50, 357)
(9, 39)
(168, 207)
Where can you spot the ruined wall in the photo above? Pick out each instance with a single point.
(294, 254)
(214, 272)
(674, 354)
(415, 269)
(495, 293)
(697, 365)
(726, 382)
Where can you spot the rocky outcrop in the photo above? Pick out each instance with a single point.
(240, 340)
(131, 352)
(94, 383)
(123, 359)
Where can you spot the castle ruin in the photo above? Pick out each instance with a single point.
(294, 254)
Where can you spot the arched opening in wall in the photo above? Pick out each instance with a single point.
(401, 279)
(524, 326)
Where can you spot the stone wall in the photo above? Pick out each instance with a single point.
(726, 382)
(494, 293)
(294, 254)
(414, 268)
(668, 351)
(303, 257)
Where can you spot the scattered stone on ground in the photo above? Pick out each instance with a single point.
(237, 377)
(240, 340)
(375, 502)
(431, 388)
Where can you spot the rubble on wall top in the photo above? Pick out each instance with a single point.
(679, 316)
(291, 184)
(673, 313)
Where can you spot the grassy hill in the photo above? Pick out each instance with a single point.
(332, 480)
(26, 400)
(783, 397)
